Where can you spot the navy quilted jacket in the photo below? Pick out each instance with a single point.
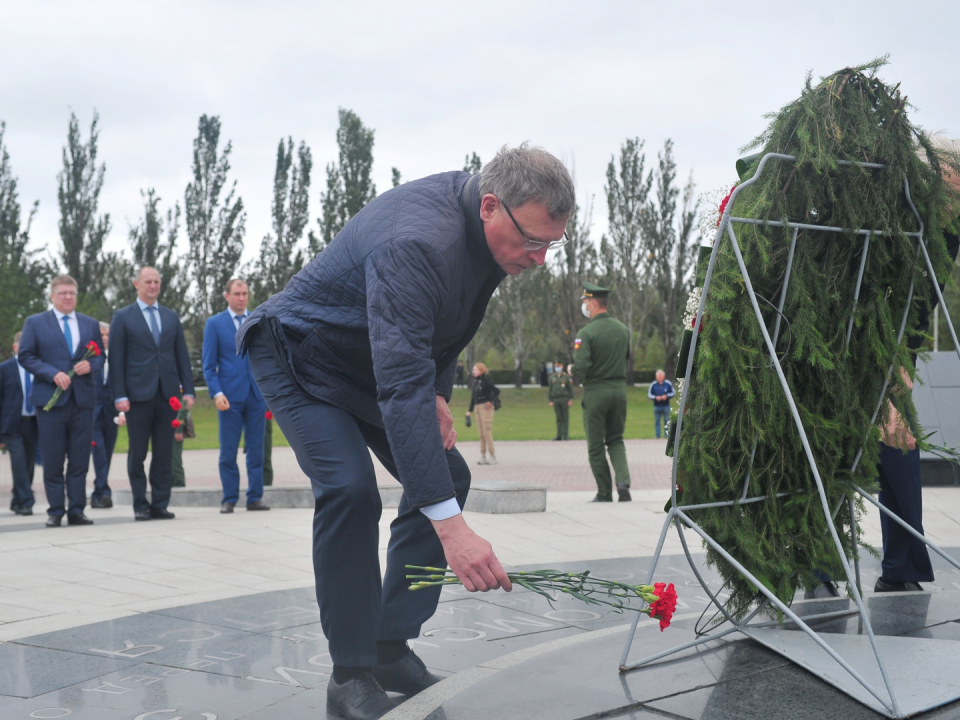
(375, 323)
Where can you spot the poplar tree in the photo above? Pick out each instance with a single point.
(215, 225)
(23, 277)
(153, 242)
(82, 231)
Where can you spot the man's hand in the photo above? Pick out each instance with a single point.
(470, 556)
(569, 403)
(122, 419)
(222, 403)
(188, 401)
(82, 368)
(447, 431)
(62, 380)
(551, 404)
(122, 406)
(178, 437)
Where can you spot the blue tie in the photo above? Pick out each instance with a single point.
(27, 390)
(67, 334)
(154, 327)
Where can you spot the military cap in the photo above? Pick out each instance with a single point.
(594, 291)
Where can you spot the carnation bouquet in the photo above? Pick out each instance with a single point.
(93, 350)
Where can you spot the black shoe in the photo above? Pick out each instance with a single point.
(141, 515)
(823, 591)
(557, 438)
(227, 507)
(24, 511)
(597, 498)
(161, 514)
(406, 676)
(78, 519)
(887, 586)
(257, 505)
(101, 503)
(54, 520)
(360, 698)
(624, 493)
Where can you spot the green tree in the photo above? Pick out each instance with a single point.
(82, 232)
(154, 243)
(349, 186)
(627, 191)
(23, 278)
(280, 259)
(670, 242)
(572, 266)
(395, 177)
(472, 164)
(215, 226)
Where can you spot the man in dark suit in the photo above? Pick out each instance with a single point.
(104, 430)
(53, 343)
(18, 429)
(231, 385)
(149, 363)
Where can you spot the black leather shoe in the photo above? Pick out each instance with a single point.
(360, 698)
(823, 591)
(78, 519)
(887, 586)
(24, 511)
(557, 438)
(54, 520)
(258, 505)
(227, 507)
(623, 491)
(142, 515)
(406, 676)
(597, 498)
(101, 503)
(161, 514)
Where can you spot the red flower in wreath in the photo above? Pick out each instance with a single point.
(175, 423)
(665, 605)
(93, 350)
(723, 203)
(268, 415)
(176, 404)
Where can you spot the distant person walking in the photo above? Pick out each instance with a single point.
(54, 343)
(660, 392)
(149, 363)
(561, 398)
(600, 361)
(460, 374)
(544, 378)
(485, 395)
(104, 430)
(18, 429)
(242, 409)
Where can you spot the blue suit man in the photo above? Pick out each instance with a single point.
(18, 429)
(104, 430)
(53, 343)
(231, 385)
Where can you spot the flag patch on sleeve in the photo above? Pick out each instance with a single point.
(577, 343)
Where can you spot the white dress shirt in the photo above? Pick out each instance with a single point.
(23, 390)
(74, 328)
(148, 313)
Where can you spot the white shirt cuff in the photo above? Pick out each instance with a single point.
(442, 510)
(215, 396)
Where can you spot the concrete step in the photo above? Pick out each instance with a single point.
(487, 496)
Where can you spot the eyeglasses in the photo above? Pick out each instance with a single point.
(66, 293)
(535, 244)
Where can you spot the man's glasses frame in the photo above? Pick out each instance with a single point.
(535, 244)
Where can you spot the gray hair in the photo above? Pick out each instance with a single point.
(104, 326)
(529, 173)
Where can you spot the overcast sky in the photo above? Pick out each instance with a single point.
(436, 80)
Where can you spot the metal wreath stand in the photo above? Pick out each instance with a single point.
(926, 676)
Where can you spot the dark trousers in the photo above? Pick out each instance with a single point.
(905, 559)
(23, 454)
(245, 417)
(356, 609)
(104, 440)
(66, 434)
(562, 411)
(148, 424)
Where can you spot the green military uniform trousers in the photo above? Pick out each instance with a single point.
(179, 478)
(604, 418)
(562, 411)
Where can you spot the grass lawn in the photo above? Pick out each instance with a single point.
(525, 415)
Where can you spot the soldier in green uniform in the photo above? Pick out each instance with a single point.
(600, 361)
(561, 398)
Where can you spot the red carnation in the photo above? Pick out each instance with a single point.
(175, 404)
(175, 423)
(268, 415)
(665, 605)
(93, 349)
(723, 203)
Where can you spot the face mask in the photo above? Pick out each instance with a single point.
(583, 309)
